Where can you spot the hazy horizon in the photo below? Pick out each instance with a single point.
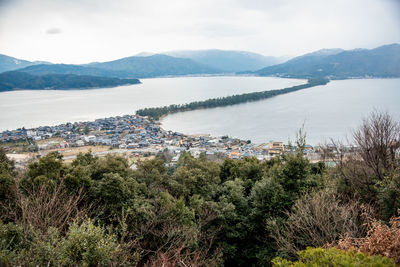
(149, 53)
(77, 32)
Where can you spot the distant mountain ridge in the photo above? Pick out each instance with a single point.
(130, 67)
(383, 61)
(335, 63)
(8, 63)
(228, 60)
(16, 80)
(155, 66)
(147, 65)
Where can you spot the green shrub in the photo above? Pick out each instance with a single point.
(333, 257)
(88, 245)
(389, 195)
(11, 236)
(7, 172)
(6, 181)
(11, 241)
(44, 249)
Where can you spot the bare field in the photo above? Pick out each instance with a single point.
(52, 139)
(73, 151)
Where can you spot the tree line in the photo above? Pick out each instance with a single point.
(17, 80)
(158, 112)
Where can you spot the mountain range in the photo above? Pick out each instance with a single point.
(130, 67)
(383, 62)
(337, 63)
(147, 65)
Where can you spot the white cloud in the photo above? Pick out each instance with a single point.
(54, 31)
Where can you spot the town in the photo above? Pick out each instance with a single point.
(133, 136)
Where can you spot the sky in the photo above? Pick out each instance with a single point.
(83, 31)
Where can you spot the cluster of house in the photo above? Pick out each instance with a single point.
(137, 134)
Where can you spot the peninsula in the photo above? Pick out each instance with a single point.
(17, 80)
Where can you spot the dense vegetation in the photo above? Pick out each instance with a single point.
(226, 101)
(14, 80)
(383, 62)
(43, 69)
(99, 212)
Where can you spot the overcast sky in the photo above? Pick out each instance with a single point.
(81, 31)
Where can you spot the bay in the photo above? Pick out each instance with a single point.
(330, 111)
(32, 108)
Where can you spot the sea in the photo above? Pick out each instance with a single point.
(324, 113)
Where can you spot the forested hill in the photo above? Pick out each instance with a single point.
(43, 69)
(158, 112)
(15, 80)
(129, 67)
(155, 66)
(382, 62)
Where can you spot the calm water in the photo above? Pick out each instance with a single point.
(45, 107)
(330, 111)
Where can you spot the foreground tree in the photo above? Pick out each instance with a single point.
(7, 174)
(319, 218)
(371, 171)
(378, 143)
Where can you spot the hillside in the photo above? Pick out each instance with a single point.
(382, 62)
(8, 63)
(129, 67)
(15, 80)
(227, 61)
(43, 69)
(155, 66)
